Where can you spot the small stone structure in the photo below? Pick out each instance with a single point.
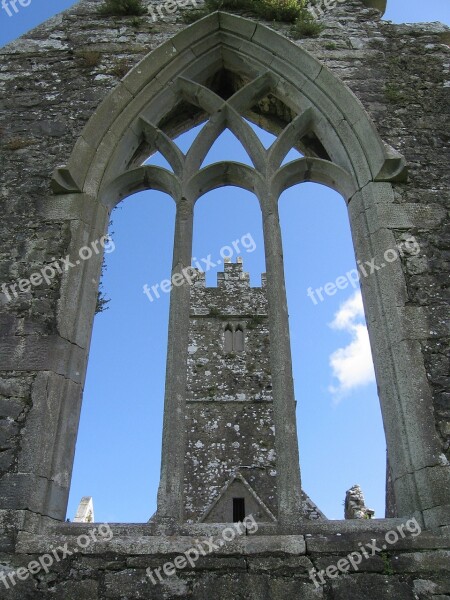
(365, 103)
(355, 505)
(85, 511)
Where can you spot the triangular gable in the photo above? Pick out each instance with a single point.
(311, 510)
(237, 477)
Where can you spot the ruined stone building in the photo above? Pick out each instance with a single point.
(230, 404)
(86, 98)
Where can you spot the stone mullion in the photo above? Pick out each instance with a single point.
(289, 137)
(286, 441)
(161, 142)
(248, 95)
(170, 494)
(204, 142)
(248, 138)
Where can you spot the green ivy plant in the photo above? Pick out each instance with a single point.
(306, 25)
(286, 11)
(271, 10)
(122, 8)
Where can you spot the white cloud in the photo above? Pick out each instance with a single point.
(352, 366)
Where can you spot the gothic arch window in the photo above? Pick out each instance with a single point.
(332, 363)
(239, 339)
(229, 69)
(134, 319)
(228, 339)
(234, 338)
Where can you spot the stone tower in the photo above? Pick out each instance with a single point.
(230, 433)
(230, 445)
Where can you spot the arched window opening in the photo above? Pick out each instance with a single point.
(228, 227)
(217, 240)
(239, 339)
(184, 141)
(358, 163)
(158, 160)
(220, 150)
(228, 335)
(338, 410)
(120, 430)
(234, 339)
(266, 138)
(292, 155)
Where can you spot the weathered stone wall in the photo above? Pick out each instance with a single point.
(52, 80)
(253, 567)
(238, 376)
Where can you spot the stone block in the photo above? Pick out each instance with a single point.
(370, 587)
(422, 562)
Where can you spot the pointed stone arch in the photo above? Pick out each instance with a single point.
(177, 86)
(177, 71)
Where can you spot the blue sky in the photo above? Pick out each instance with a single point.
(339, 423)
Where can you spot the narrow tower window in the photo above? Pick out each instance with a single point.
(238, 509)
(228, 345)
(239, 339)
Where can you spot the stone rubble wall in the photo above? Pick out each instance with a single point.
(251, 567)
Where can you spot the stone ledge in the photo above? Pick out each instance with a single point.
(427, 540)
(148, 539)
(158, 545)
(151, 529)
(306, 528)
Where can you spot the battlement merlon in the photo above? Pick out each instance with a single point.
(233, 276)
(232, 296)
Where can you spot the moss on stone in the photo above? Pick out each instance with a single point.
(255, 321)
(287, 11)
(393, 93)
(271, 10)
(120, 68)
(190, 16)
(306, 25)
(90, 58)
(18, 143)
(387, 570)
(122, 8)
